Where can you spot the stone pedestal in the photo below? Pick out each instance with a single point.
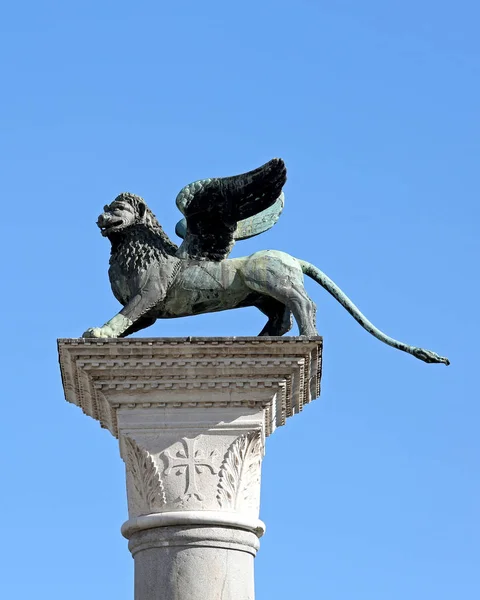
(191, 416)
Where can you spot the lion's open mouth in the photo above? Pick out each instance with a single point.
(108, 225)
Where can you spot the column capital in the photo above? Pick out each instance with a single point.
(191, 416)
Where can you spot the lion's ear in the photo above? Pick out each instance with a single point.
(142, 209)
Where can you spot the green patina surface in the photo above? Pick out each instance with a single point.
(154, 279)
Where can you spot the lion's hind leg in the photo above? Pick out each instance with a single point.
(280, 319)
(303, 309)
(280, 276)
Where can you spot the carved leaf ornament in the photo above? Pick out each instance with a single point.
(240, 472)
(145, 476)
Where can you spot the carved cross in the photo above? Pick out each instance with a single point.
(194, 463)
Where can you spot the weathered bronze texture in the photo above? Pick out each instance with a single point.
(154, 279)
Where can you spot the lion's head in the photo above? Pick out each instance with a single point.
(126, 210)
(128, 214)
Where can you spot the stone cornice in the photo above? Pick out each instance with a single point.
(277, 374)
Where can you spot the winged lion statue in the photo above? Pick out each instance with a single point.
(154, 279)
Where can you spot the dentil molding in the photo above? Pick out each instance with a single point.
(277, 375)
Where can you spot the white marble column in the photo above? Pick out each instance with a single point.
(191, 416)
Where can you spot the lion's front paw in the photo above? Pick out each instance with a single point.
(99, 332)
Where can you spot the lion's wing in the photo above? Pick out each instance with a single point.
(222, 210)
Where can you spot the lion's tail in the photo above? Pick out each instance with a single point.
(333, 289)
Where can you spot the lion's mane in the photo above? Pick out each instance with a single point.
(135, 247)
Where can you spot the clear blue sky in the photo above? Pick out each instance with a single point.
(373, 492)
